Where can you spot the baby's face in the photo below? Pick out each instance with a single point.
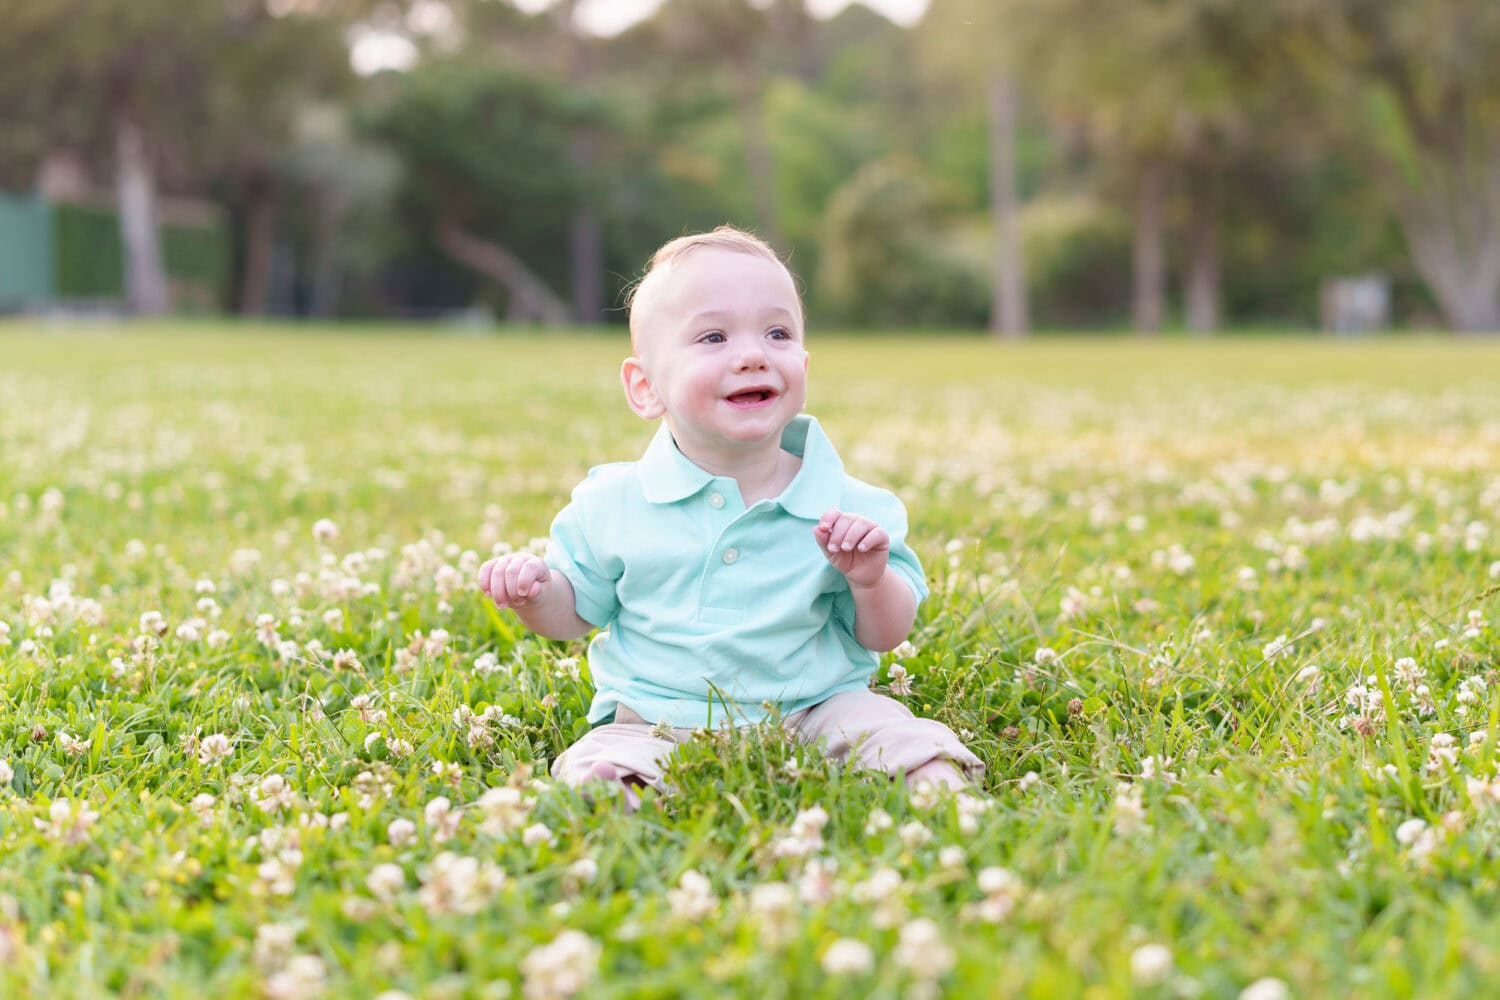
(721, 350)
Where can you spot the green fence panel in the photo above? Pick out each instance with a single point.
(91, 260)
(25, 251)
(89, 256)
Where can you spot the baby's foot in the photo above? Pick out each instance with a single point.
(938, 772)
(605, 771)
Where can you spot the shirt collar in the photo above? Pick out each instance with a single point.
(667, 475)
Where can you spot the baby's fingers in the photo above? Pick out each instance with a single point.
(529, 580)
(484, 576)
(841, 537)
(875, 540)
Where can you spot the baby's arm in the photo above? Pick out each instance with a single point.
(884, 607)
(541, 598)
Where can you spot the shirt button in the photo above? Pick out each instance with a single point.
(716, 500)
(730, 555)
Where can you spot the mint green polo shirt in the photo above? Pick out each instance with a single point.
(708, 609)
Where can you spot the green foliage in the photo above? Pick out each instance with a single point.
(1077, 254)
(885, 258)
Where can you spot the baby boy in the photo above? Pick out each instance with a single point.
(736, 567)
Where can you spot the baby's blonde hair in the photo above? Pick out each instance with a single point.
(721, 238)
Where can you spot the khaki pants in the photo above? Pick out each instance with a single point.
(880, 733)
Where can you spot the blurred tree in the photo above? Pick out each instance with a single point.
(730, 37)
(1416, 89)
(147, 72)
(891, 254)
(1152, 88)
(489, 172)
(963, 49)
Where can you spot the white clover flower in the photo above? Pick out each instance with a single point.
(581, 871)
(952, 856)
(1150, 964)
(203, 806)
(324, 531)
(66, 823)
(560, 968)
(442, 818)
(1408, 832)
(1129, 809)
(504, 810)
(817, 886)
(914, 834)
(848, 957)
(6, 773)
(1155, 768)
(878, 821)
(72, 745)
(273, 944)
(921, 950)
(900, 681)
(278, 875)
(693, 899)
(1278, 646)
(304, 977)
(882, 884)
(401, 832)
(455, 884)
(1268, 988)
(386, 881)
(904, 650)
(213, 748)
(1028, 781)
(274, 794)
(537, 833)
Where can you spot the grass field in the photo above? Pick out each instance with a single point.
(1221, 618)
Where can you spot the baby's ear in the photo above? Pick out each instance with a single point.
(638, 391)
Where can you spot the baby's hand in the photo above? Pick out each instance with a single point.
(512, 581)
(856, 546)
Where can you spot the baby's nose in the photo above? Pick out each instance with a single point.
(752, 357)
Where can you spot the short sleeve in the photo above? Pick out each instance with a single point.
(570, 553)
(903, 560)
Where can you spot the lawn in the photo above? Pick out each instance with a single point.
(1222, 619)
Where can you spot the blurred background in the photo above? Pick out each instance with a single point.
(1001, 165)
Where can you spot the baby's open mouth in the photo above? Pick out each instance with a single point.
(751, 397)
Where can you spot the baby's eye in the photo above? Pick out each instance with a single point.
(712, 338)
(779, 333)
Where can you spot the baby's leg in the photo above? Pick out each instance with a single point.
(623, 752)
(883, 735)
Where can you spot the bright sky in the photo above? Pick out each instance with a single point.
(609, 17)
(372, 50)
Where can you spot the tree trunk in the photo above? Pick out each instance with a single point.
(586, 245)
(260, 231)
(1008, 289)
(1455, 246)
(585, 235)
(146, 291)
(326, 279)
(758, 159)
(531, 301)
(1202, 294)
(1149, 257)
